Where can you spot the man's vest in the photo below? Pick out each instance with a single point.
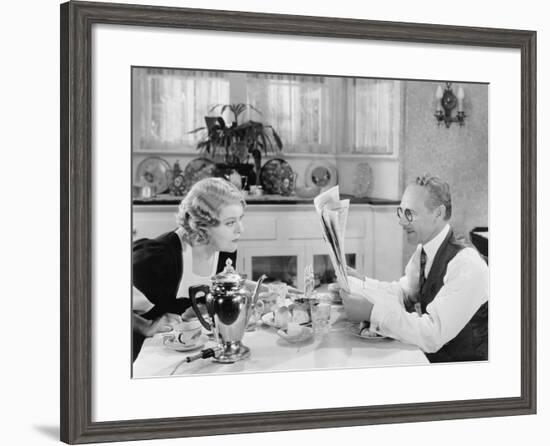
(471, 344)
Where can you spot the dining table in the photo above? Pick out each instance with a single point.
(340, 347)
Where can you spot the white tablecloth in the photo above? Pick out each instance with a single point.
(271, 353)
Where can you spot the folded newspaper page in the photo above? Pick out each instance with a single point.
(333, 214)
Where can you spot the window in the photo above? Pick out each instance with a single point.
(329, 114)
(170, 103)
(311, 114)
(298, 107)
(374, 110)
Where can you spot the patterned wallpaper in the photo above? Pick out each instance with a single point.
(457, 154)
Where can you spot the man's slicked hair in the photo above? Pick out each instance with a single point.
(439, 192)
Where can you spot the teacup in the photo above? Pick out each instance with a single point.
(269, 300)
(256, 190)
(185, 334)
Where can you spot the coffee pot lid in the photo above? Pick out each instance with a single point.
(228, 276)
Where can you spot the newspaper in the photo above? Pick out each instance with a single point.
(333, 214)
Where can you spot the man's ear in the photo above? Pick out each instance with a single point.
(441, 210)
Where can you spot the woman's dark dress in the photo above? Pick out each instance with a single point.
(157, 270)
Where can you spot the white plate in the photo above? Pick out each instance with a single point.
(321, 173)
(305, 334)
(354, 330)
(176, 346)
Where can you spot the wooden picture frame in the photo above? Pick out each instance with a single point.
(77, 20)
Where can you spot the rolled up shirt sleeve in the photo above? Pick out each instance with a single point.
(464, 290)
(378, 291)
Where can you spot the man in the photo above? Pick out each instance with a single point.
(441, 304)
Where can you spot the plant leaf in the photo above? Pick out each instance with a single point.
(264, 142)
(277, 139)
(196, 130)
(255, 109)
(214, 107)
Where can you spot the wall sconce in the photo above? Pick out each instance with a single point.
(446, 103)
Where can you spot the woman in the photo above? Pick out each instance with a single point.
(209, 222)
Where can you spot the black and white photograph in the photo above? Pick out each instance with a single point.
(287, 222)
(278, 222)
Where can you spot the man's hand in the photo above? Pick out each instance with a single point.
(357, 307)
(354, 273)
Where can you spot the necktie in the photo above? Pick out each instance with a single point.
(421, 280)
(422, 274)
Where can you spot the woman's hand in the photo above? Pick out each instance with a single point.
(191, 314)
(162, 324)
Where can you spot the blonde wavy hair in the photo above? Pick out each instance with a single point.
(200, 209)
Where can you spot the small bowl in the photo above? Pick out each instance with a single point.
(304, 335)
(307, 191)
(144, 191)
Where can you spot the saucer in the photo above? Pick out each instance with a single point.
(365, 333)
(304, 335)
(179, 347)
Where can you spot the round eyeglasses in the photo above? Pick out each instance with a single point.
(407, 213)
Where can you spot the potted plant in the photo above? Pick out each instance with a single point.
(232, 145)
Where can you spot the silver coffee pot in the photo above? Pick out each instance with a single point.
(229, 304)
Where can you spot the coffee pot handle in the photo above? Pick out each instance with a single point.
(193, 291)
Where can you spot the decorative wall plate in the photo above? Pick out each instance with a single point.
(322, 174)
(277, 177)
(362, 180)
(154, 171)
(197, 169)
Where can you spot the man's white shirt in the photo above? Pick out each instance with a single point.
(465, 288)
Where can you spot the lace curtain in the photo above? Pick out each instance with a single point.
(374, 111)
(170, 103)
(328, 115)
(300, 108)
(312, 114)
